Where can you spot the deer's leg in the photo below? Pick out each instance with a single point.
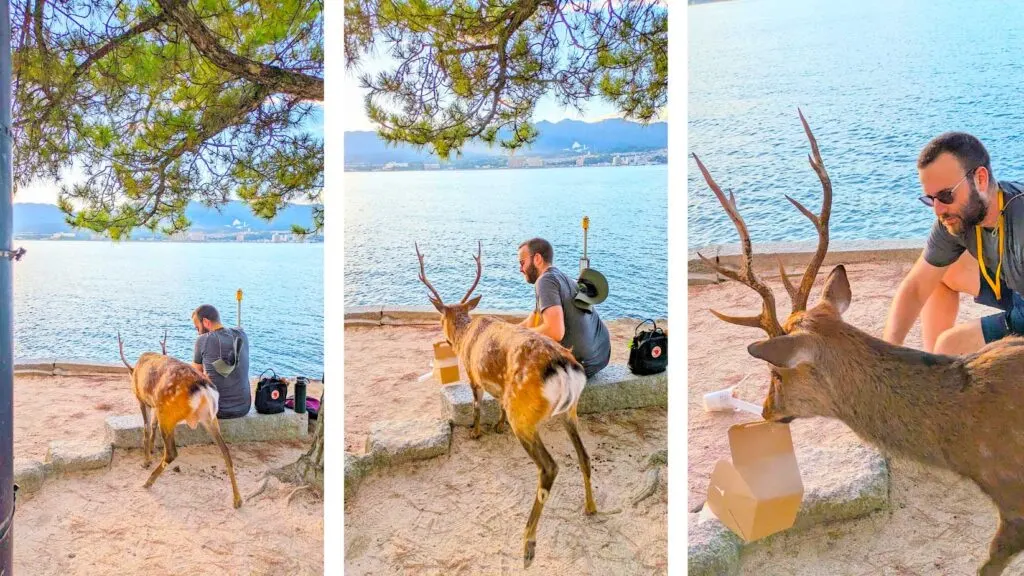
(502, 420)
(170, 453)
(547, 470)
(478, 394)
(147, 435)
(570, 422)
(214, 429)
(1008, 541)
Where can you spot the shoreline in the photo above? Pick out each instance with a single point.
(396, 315)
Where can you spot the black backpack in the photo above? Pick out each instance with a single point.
(271, 394)
(648, 352)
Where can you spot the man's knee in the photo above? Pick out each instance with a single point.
(962, 276)
(961, 339)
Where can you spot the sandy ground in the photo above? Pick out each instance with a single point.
(383, 364)
(939, 524)
(465, 513)
(104, 522)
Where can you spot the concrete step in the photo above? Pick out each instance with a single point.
(614, 388)
(126, 431)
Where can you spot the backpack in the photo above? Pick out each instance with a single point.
(648, 352)
(271, 394)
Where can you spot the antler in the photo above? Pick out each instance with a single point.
(120, 347)
(423, 278)
(745, 275)
(820, 223)
(479, 270)
(163, 343)
(767, 320)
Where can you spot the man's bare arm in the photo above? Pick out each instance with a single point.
(552, 323)
(910, 298)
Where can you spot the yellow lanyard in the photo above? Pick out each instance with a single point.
(981, 259)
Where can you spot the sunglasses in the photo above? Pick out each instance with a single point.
(946, 195)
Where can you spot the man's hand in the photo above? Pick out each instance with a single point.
(552, 323)
(910, 298)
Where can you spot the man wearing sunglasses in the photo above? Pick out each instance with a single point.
(975, 214)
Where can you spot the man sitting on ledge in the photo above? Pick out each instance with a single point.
(223, 355)
(556, 315)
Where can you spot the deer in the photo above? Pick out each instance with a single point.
(957, 413)
(532, 377)
(170, 391)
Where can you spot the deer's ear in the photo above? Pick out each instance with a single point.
(473, 302)
(837, 289)
(784, 351)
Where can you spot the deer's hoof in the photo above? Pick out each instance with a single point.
(590, 509)
(146, 465)
(528, 552)
(475, 433)
(238, 502)
(499, 428)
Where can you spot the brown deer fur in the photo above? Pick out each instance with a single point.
(959, 413)
(170, 391)
(532, 377)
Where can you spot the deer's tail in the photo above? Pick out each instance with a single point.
(205, 401)
(564, 379)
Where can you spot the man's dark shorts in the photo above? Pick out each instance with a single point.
(1001, 324)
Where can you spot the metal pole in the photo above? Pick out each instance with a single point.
(6, 303)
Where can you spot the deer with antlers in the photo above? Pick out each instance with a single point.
(959, 413)
(532, 377)
(170, 391)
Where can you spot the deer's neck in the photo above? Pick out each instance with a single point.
(459, 338)
(899, 398)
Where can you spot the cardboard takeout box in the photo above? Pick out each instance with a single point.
(759, 492)
(446, 363)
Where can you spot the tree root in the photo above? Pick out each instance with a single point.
(651, 478)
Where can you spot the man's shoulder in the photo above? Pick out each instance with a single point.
(1013, 200)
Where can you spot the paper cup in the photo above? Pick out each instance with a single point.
(720, 401)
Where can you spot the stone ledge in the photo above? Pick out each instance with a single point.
(356, 468)
(767, 255)
(60, 368)
(861, 489)
(613, 388)
(397, 441)
(29, 475)
(126, 431)
(66, 456)
(415, 315)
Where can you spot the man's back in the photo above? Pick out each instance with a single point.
(585, 333)
(235, 394)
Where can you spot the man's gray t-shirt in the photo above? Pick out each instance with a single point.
(585, 334)
(235, 395)
(944, 248)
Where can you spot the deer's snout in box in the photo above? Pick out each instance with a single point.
(759, 492)
(446, 363)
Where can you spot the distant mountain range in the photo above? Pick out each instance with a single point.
(48, 219)
(606, 136)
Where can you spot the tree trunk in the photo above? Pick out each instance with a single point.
(309, 468)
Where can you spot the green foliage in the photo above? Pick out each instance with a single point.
(120, 90)
(475, 69)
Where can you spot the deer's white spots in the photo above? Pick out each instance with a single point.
(984, 451)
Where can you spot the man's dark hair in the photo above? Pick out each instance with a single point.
(967, 149)
(540, 246)
(207, 312)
